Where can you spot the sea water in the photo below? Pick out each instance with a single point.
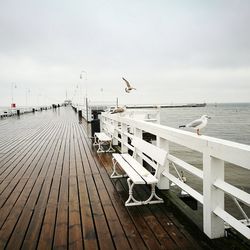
(228, 121)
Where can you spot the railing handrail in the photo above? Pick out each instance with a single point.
(192, 141)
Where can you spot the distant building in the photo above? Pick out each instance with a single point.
(67, 102)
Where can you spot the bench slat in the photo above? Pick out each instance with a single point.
(134, 176)
(151, 150)
(143, 172)
(103, 137)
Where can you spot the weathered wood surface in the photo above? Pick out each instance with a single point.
(55, 192)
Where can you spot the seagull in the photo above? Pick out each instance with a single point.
(129, 87)
(119, 110)
(197, 124)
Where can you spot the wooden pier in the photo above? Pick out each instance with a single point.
(55, 192)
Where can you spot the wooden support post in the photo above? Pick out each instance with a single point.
(87, 110)
(124, 148)
(213, 169)
(138, 133)
(115, 124)
(163, 181)
(158, 116)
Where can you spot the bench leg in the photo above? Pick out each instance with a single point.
(110, 149)
(95, 141)
(114, 173)
(100, 149)
(153, 198)
(131, 201)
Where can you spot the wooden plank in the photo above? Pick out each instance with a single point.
(33, 232)
(21, 164)
(24, 219)
(48, 227)
(141, 224)
(17, 182)
(88, 227)
(231, 190)
(89, 161)
(104, 237)
(61, 228)
(116, 229)
(126, 221)
(75, 233)
(17, 148)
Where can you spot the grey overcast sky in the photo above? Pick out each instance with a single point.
(172, 51)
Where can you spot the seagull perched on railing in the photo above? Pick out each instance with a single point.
(129, 87)
(197, 124)
(119, 110)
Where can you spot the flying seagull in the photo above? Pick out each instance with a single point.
(129, 87)
(197, 124)
(118, 110)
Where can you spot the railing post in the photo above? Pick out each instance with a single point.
(163, 181)
(87, 110)
(103, 118)
(124, 137)
(138, 134)
(115, 135)
(158, 116)
(213, 169)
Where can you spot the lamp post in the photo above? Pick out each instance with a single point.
(86, 93)
(86, 86)
(13, 85)
(27, 93)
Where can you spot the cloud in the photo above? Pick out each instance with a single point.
(164, 47)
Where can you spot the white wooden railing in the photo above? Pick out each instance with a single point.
(214, 152)
(22, 110)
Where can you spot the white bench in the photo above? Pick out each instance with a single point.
(104, 138)
(137, 173)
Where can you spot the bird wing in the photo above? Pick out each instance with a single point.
(128, 84)
(194, 124)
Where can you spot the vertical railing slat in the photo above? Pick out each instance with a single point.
(124, 138)
(163, 181)
(138, 134)
(213, 168)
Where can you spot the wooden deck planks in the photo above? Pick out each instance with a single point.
(55, 192)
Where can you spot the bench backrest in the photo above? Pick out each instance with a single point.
(110, 129)
(152, 153)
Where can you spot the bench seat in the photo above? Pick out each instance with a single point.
(104, 138)
(142, 171)
(130, 171)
